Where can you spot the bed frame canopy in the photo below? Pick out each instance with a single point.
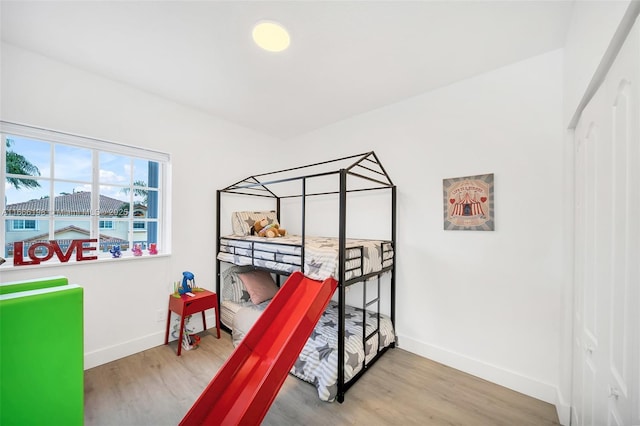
(339, 177)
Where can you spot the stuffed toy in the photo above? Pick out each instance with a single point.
(262, 228)
(115, 251)
(137, 250)
(153, 248)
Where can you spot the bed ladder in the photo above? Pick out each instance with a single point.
(365, 304)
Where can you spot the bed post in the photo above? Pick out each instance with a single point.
(304, 222)
(341, 280)
(395, 248)
(217, 249)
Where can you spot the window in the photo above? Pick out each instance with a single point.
(107, 224)
(21, 224)
(63, 187)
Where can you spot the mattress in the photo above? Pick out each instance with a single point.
(228, 311)
(320, 255)
(318, 360)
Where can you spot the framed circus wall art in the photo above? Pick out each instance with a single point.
(469, 203)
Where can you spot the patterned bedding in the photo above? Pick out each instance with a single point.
(320, 257)
(317, 363)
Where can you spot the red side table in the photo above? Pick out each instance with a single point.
(187, 305)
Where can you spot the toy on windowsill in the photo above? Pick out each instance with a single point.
(153, 249)
(137, 251)
(115, 251)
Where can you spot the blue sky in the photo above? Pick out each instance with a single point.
(73, 170)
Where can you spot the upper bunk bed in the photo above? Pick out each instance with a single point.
(356, 174)
(351, 250)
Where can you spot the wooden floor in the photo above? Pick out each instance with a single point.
(156, 387)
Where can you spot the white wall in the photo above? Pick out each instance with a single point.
(122, 299)
(488, 303)
(593, 25)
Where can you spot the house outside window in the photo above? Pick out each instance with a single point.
(63, 187)
(139, 212)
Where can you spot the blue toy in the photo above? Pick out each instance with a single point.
(115, 251)
(186, 287)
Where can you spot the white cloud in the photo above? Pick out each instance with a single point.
(113, 177)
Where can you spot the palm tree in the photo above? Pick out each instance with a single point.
(125, 207)
(137, 191)
(17, 164)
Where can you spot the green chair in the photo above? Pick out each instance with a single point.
(41, 353)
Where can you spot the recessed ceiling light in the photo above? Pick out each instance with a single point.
(271, 36)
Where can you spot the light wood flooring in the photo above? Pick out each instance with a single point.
(156, 387)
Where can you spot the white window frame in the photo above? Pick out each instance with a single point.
(52, 136)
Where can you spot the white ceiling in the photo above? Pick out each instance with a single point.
(345, 57)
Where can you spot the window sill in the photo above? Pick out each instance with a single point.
(9, 266)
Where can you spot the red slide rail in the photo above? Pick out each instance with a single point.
(244, 388)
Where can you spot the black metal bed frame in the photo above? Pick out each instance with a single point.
(367, 169)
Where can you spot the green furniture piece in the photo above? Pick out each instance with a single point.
(41, 353)
(14, 287)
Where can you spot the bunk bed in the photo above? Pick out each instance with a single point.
(348, 339)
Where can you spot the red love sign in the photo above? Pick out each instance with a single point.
(52, 248)
(452, 200)
(483, 199)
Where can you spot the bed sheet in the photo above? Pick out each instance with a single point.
(318, 361)
(321, 254)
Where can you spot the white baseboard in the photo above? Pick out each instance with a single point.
(563, 408)
(493, 373)
(121, 350)
(130, 347)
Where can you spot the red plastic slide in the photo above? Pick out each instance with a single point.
(244, 388)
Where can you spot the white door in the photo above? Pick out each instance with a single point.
(606, 364)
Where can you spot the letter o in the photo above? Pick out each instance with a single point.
(33, 248)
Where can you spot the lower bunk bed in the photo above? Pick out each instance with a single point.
(245, 291)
